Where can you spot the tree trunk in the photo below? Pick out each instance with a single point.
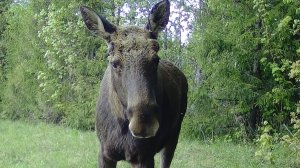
(255, 114)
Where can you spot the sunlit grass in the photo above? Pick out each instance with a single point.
(24, 145)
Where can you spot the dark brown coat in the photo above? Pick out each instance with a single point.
(142, 99)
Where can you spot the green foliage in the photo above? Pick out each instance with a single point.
(266, 143)
(69, 82)
(19, 90)
(54, 65)
(222, 50)
(269, 140)
(295, 71)
(279, 33)
(247, 52)
(292, 140)
(4, 5)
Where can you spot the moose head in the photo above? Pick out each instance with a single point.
(133, 66)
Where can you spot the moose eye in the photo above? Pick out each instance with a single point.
(115, 64)
(155, 46)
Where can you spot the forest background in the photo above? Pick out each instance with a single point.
(241, 58)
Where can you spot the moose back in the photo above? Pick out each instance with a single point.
(142, 99)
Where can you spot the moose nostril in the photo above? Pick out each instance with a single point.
(144, 117)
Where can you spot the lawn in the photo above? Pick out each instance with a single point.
(36, 145)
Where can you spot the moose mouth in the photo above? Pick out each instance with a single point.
(141, 136)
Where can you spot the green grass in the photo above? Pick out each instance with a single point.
(24, 145)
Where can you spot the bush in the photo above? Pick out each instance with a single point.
(54, 65)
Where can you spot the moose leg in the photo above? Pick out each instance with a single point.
(105, 162)
(149, 163)
(167, 153)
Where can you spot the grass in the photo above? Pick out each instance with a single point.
(24, 145)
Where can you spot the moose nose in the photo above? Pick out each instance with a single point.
(141, 134)
(140, 130)
(143, 122)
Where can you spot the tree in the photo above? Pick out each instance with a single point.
(245, 50)
(4, 5)
(53, 66)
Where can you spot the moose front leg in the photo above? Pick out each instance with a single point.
(105, 162)
(167, 153)
(149, 163)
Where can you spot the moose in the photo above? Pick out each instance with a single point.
(143, 99)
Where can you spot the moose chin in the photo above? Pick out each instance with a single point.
(142, 99)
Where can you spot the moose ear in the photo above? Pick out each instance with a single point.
(158, 17)
(97, 24)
